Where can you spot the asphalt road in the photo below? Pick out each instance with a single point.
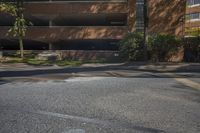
(123, 102)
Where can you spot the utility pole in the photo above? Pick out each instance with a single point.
(146, 23)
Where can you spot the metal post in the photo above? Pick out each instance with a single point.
(146, 21)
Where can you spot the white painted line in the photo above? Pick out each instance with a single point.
(103, 123)
(185, 81)
(77, 118)
(188, 83)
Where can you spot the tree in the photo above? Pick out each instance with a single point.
(8, 8)
(20, 25)
(131, 46)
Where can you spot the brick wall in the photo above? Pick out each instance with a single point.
(131, 15)
(165, 16)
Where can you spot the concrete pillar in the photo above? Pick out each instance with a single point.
(50, 23)
(1, 51)
(50, 46)
(50, 43)
(131, 15)
(1, 54)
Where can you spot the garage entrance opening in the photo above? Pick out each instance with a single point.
(109, 45)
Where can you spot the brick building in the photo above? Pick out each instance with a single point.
(192, 24)
(91, 24)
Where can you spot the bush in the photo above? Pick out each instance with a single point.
(131, 47)
(192, 49)
(161, 46)
(192, 42)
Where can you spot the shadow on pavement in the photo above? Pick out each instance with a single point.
(123, 67)
(3, 82)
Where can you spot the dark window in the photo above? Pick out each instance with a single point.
(193, 2)
(139, 15)
(193, 16)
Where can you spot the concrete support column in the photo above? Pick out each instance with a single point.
(50, 43)
(1, 51)
(50, 46)
(131, 15)
(1, 54)
(50, 23)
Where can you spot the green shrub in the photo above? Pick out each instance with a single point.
(192, 42)
(161, 46)
(192, 49)
(131, 47)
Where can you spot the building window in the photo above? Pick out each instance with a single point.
(139, 15)
(193, 16)
(193, 2)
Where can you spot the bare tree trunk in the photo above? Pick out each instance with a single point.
(20, 27)
(21, 47)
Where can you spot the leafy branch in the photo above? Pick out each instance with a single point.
(20, 25)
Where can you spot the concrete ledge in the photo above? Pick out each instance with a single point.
(73, 54)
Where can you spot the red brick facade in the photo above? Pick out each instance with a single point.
(164, 17)
(192, 27)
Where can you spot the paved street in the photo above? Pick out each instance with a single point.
(109, 99)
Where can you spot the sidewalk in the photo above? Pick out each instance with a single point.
(23, 72)
(159, 67)
(140, 66)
